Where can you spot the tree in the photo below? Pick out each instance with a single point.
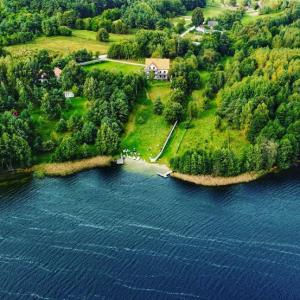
(233, 2)
(178, 96)
(72, 75)
(286, 153)
(67, 150)
(52, 103)
(141, 15)
(173, 112)
(107, 141)
(50, 26)
(180, 26)
(191, 4)
(102, 35)
(91, 89)
(197, 17)
(62, 126)
(89, 132)
(119, 27)
(64, 31)
(158, 106)
(259, 121)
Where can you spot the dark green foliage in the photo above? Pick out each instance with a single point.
(197, 17)
(191, 4)
(64, 31)
(107, 140)
(173, 112)
(158, 106)
(258, 94)
(62, 126)
(82, 55)
(52, 103)
(67, 150)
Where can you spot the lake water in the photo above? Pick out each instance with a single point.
(116, 234)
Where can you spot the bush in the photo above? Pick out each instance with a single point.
(102, 35)
(173, 112)
(158, 106)
(64, 31)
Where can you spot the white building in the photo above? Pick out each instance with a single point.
(69, 95)
(160, 67)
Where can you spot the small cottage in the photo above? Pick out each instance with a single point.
(160, 67)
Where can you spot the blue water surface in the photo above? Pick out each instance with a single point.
(115, 234)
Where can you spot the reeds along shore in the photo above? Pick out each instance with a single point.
(71, 167)
(207, 180)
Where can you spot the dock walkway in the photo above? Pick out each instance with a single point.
(165, 144)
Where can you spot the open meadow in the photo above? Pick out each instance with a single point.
(66, 44)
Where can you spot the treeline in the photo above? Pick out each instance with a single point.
(258, 93)
(23, 20)
(164, 44)
(30, 85)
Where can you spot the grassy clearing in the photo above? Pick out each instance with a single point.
(248, 18)
(213, 11)
(64, 45)
(145, 131)
(115, 67)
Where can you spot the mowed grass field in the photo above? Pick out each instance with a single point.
(64, 45)
(115, 67)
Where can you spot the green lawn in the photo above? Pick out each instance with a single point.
(213, 11)
(248, 18)
(115, 67)
(64, 45)
(145, 131)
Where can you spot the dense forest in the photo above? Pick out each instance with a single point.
(22, 90)
(23, 20)
(256, 91)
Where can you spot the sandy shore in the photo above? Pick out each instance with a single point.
(208, 180)
(71, 167)
(143, 166)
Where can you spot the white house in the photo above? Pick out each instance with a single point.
(160, 67)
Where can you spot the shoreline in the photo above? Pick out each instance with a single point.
(139, 166)
(209, 180)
